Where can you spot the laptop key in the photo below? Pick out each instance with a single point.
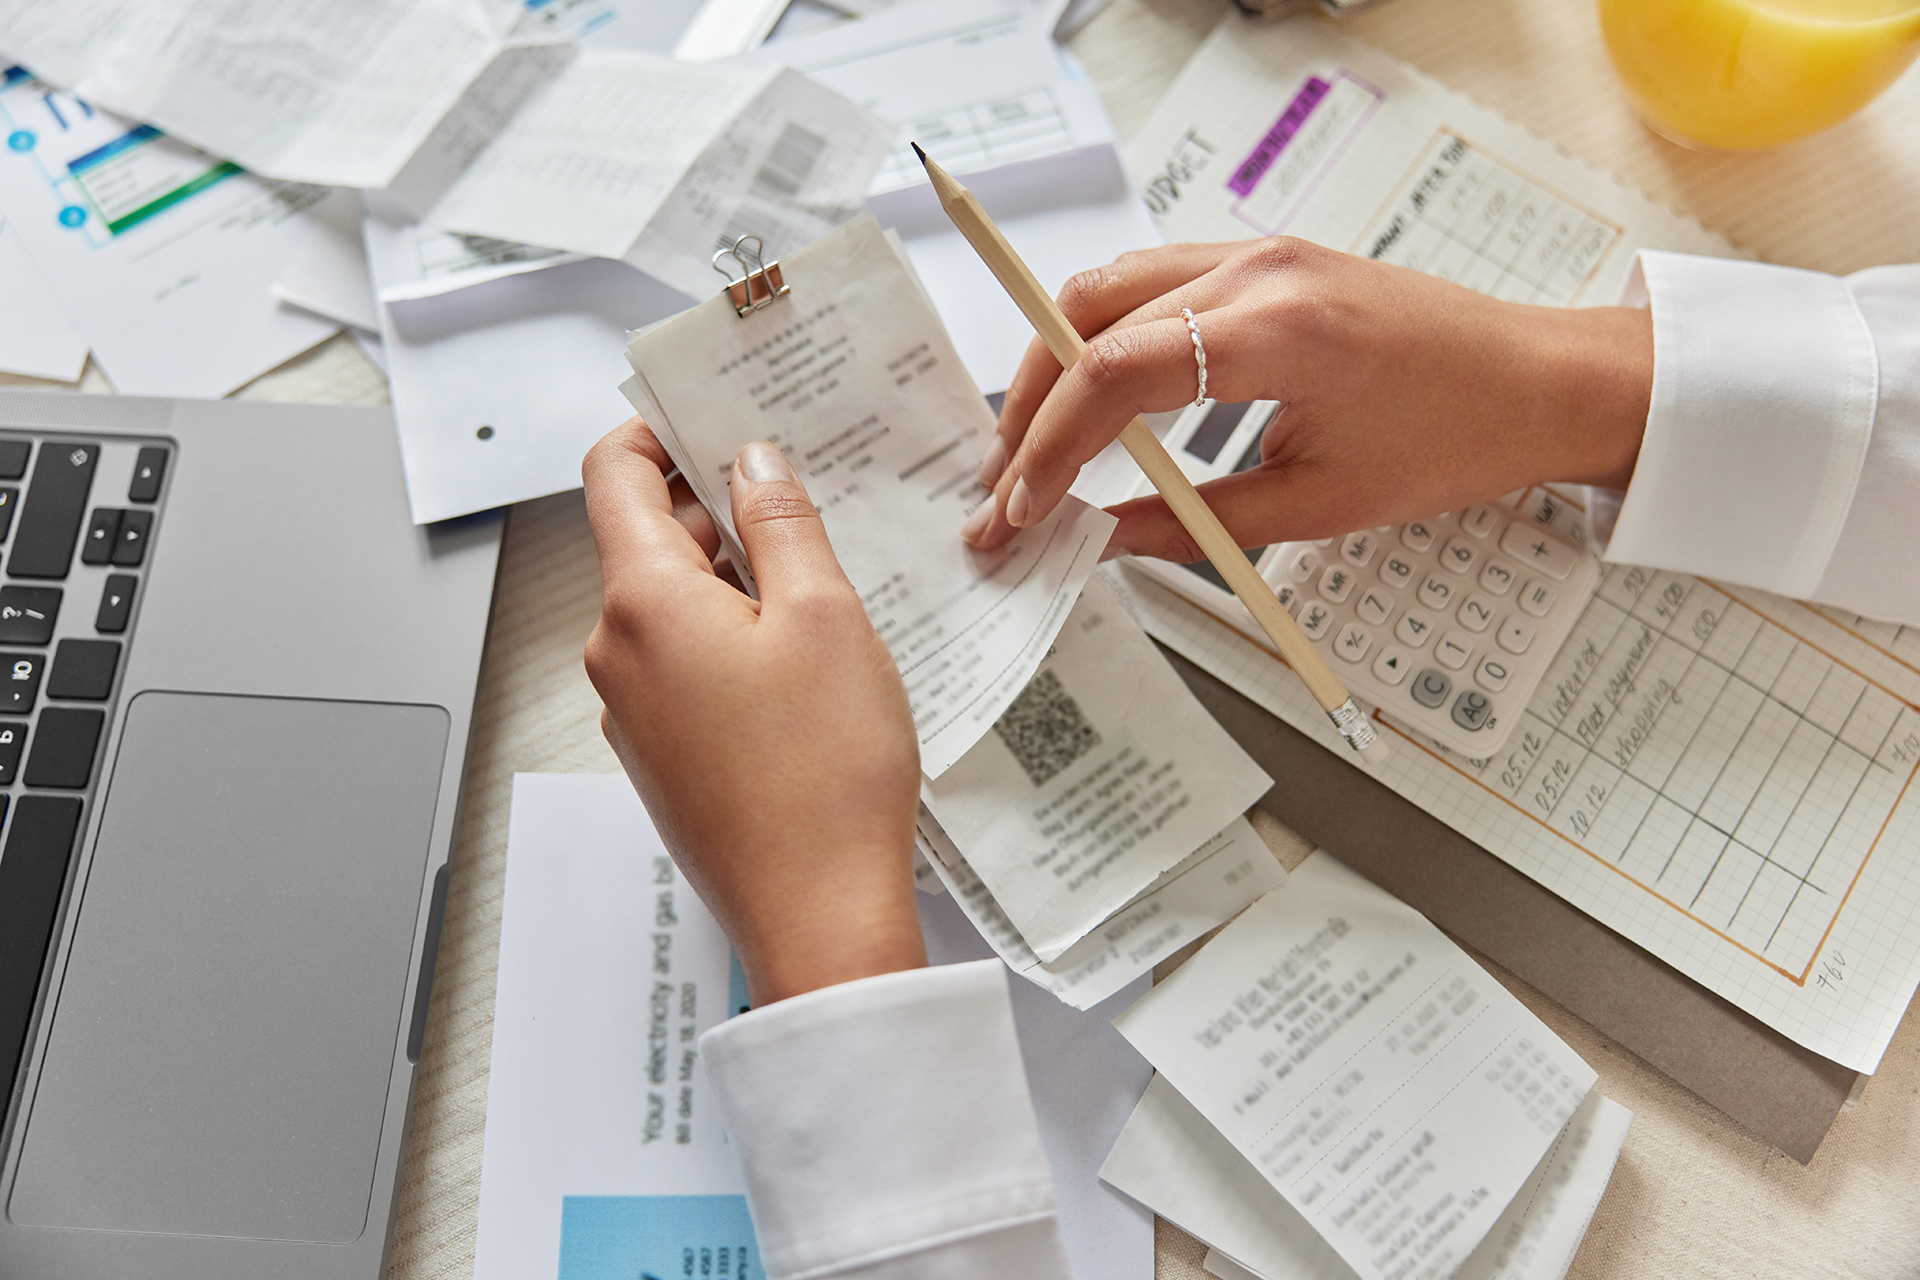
(20, 681)
(83, 670)
(148, 470)
(33, 874)
(13, 736)
(27, 614)
(64, 741)
(103, 535)
(116, 604)
(13, 458)
(56, 503)
(135, 528)
(9, 503)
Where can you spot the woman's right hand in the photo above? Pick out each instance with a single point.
(1404, 395)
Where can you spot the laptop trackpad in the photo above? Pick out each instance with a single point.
(224, 1039)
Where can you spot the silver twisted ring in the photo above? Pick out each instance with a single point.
(1199, 355)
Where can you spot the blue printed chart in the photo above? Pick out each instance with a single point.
(163, 256)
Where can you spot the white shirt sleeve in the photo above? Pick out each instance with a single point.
(1782, 447)
(886, 1132)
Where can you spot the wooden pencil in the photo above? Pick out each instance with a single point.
(1185, 501)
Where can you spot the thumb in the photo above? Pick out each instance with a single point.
(785, 542)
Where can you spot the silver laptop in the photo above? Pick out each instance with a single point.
(236, 683)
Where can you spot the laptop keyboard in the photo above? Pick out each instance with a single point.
(76, 518)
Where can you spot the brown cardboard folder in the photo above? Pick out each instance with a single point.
(1787, 1094)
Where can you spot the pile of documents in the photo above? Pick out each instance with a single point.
(1342, 1090)
(491, 193)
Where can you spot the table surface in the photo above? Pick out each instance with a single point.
(1693, 1194)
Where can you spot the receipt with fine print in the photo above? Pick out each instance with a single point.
(1212, 884)
(1381, 1081)
(1100, 778)
(851, 374)
(1171, 1160)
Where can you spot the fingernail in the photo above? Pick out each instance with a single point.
(994, 462)
(761, 463)
(1017, 503)
(976, 524)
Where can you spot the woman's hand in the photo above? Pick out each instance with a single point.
(1405, 395)
(770, 741)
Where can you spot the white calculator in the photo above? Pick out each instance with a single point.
(1446, 624)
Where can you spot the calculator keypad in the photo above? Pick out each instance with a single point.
(1448, 623)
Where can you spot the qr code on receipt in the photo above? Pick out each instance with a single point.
(1045, 729)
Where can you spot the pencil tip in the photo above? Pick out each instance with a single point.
(917, 151)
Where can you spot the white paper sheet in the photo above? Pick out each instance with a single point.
(569, 1100)
(977, 83)
(532, 357)
(590, 157)
(163, 257)
(1100, 778)
(36, 337)
(1212, 884)
(610, 968)
(349, 91)
(1174, 1162)
(1064, 214)
(852, 375)
(328, 275)
(723, 28)
(1085, 1081)
(1380, 1080)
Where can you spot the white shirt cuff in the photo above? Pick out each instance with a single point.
(881, 1117)
(1764, 389)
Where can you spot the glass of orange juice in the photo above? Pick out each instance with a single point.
(1737, 75)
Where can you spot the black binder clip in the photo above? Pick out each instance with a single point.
(758, 285)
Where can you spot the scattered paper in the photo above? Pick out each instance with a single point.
(1064, 214)
(628, 154)
(852, 375)
(36, 338)
(342, 93)
(1174, 1162)
(1380, 1080)
(1101, 777)
(977, 83)
(1215, 882)
(1085, 1081)
(328, 274)
(163, 257)
(501, 388)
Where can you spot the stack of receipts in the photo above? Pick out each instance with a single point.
(1083, 806)
(1343, 1092)
(1098, 828)
(852, 376)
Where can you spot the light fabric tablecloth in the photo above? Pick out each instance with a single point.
(1693, 1195)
